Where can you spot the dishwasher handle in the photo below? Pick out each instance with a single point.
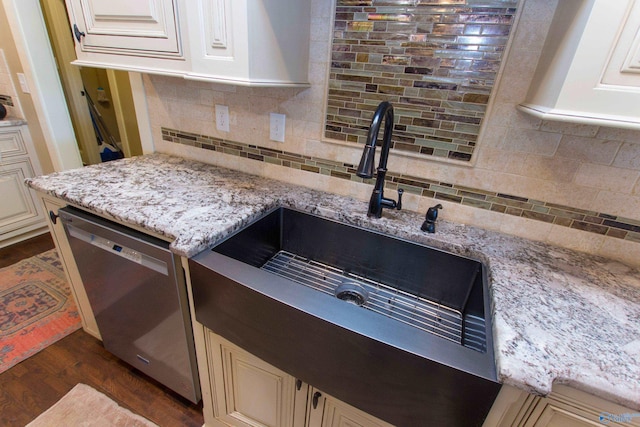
(120, 250)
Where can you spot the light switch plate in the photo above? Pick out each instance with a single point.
(222, 118)
(276, 128)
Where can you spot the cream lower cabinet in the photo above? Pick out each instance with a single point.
(564, 407)
(247, 391)
(327, 411)
(51, 206)
(21, 215)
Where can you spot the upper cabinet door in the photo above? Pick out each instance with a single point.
(126, 27)
(250, 42)
(244, 42)
(589, 69)
(623, 67)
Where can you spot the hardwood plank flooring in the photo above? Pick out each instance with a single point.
(28, 248)
(32, 386)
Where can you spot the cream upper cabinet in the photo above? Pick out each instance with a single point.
(245, 42)
(589, 70)
(130, 35)
(250, 42)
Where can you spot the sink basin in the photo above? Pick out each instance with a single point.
(395, 328)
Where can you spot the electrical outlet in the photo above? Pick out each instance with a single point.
(22, 79)
(222, 118)
(276, 128)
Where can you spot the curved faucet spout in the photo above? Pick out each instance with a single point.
(365, 168)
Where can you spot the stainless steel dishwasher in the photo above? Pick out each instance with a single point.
(138, 297)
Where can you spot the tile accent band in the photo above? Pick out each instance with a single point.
(566, 216)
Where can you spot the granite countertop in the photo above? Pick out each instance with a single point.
(558, 315)
(12, 121)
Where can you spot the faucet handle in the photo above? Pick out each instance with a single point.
(432, 212)
(429, 224)
(399, 204)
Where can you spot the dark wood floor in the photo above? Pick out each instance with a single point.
(32, 386)
(12, 254)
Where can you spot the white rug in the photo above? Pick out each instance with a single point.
(85, 406)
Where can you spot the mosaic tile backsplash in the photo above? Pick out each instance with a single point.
(580, 219)
(436, 61)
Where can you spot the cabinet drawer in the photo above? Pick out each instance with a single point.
(18, 209)
(11, 144)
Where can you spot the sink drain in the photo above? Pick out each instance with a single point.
(352, 292)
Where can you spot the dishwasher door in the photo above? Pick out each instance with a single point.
(138, 297)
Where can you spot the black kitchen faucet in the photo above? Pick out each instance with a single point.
(365, 168)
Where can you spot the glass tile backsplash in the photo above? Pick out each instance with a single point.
(435, 60)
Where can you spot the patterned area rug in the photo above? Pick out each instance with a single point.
(36, 307)
(85, 406)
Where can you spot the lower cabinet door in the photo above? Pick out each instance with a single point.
(566, 407)
(326, 411)
(19, 211)
(250, 392)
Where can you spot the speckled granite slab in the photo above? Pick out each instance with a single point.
(12, 121)
(558, 315)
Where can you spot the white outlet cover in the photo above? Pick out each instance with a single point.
(276, 128)
(222, 118)
(22, 79)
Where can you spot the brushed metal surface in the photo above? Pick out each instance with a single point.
(392, 370)
(138, 298)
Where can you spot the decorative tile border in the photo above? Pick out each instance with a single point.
(435, 60)
(566, 216)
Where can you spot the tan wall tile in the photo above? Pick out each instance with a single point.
(575, 239)
(527, 228)
(618, 204)
(532, 141)
(628, 156)
(623, 250)
(606, 177)
(588, 149)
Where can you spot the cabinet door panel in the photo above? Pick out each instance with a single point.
(336, 413)
(553, 416)
(567, 407)
(18, 208)
(11, 144)
(143, 28)
(623, 66)
(250, 383)
(251, 392)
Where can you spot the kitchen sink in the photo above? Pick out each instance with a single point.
(395, 328)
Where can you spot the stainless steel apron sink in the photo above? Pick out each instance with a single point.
(395, 328)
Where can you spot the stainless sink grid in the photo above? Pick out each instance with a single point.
(404, 307)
